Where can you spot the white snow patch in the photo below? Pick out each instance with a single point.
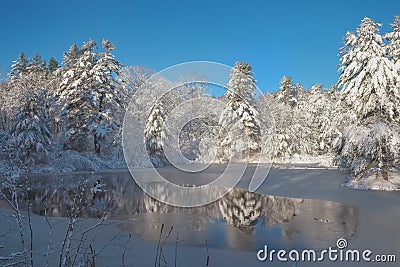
(371, 182)
(322, 161)
(71, 161)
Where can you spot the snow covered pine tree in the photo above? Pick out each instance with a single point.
(393, 47)
(370, 147)
(154, 134)
(88, 94)
(289, 123)
(30, 136)
(288, 92)
(240, 133)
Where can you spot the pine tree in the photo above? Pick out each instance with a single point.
(89, 94)
(75, 93)
(292, 125)
(108, 96)
(36, 64)
(287, 93)
(368, 83)
(367, 77)
(18, 68)
(241, 84)
(296, 130)
(239, 118)
(13, 93)
(366, 149)
(27, 74)
(30, 135)
(317, 107)
(154, 135)
(293, 131)
(53, 65)
(285, 129)
(71, 56)
(394, 42)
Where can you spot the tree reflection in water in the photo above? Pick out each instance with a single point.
(240, 220)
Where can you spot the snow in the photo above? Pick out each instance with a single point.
(371, 182)
(72, 161)
(308, 160)
(98, 187)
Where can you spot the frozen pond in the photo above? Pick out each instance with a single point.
(241, 220)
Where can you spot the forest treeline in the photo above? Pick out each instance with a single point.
(79, 104)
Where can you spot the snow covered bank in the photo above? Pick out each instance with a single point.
(73, 161)
(372, 182)
(312, 161)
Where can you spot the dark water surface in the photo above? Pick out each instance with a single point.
(241, 220)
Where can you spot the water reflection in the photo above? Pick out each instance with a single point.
(241, 220)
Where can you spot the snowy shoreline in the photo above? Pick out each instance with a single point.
(71, 163)
(369, 183)
(90, 164)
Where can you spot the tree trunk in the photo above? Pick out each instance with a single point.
(96, 144)
(384, 160)
(96, 139)
(3, 121)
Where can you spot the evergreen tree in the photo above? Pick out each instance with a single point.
(394, 40)
(318, 106)
(287, 91)
(30, 135)
(368, 87)
(27, 74)
(241, 84)
(12, 94)
(239, 118)
(108, 97)
(18, 68)
(53, 65)
(88, 94)
(36, 64)
(293, 129)
(73, 95)
(71, 56)
(367, 77)
(285, 128)
(154, 134)
(368, 150)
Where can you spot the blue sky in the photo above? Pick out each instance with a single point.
(296, 38)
